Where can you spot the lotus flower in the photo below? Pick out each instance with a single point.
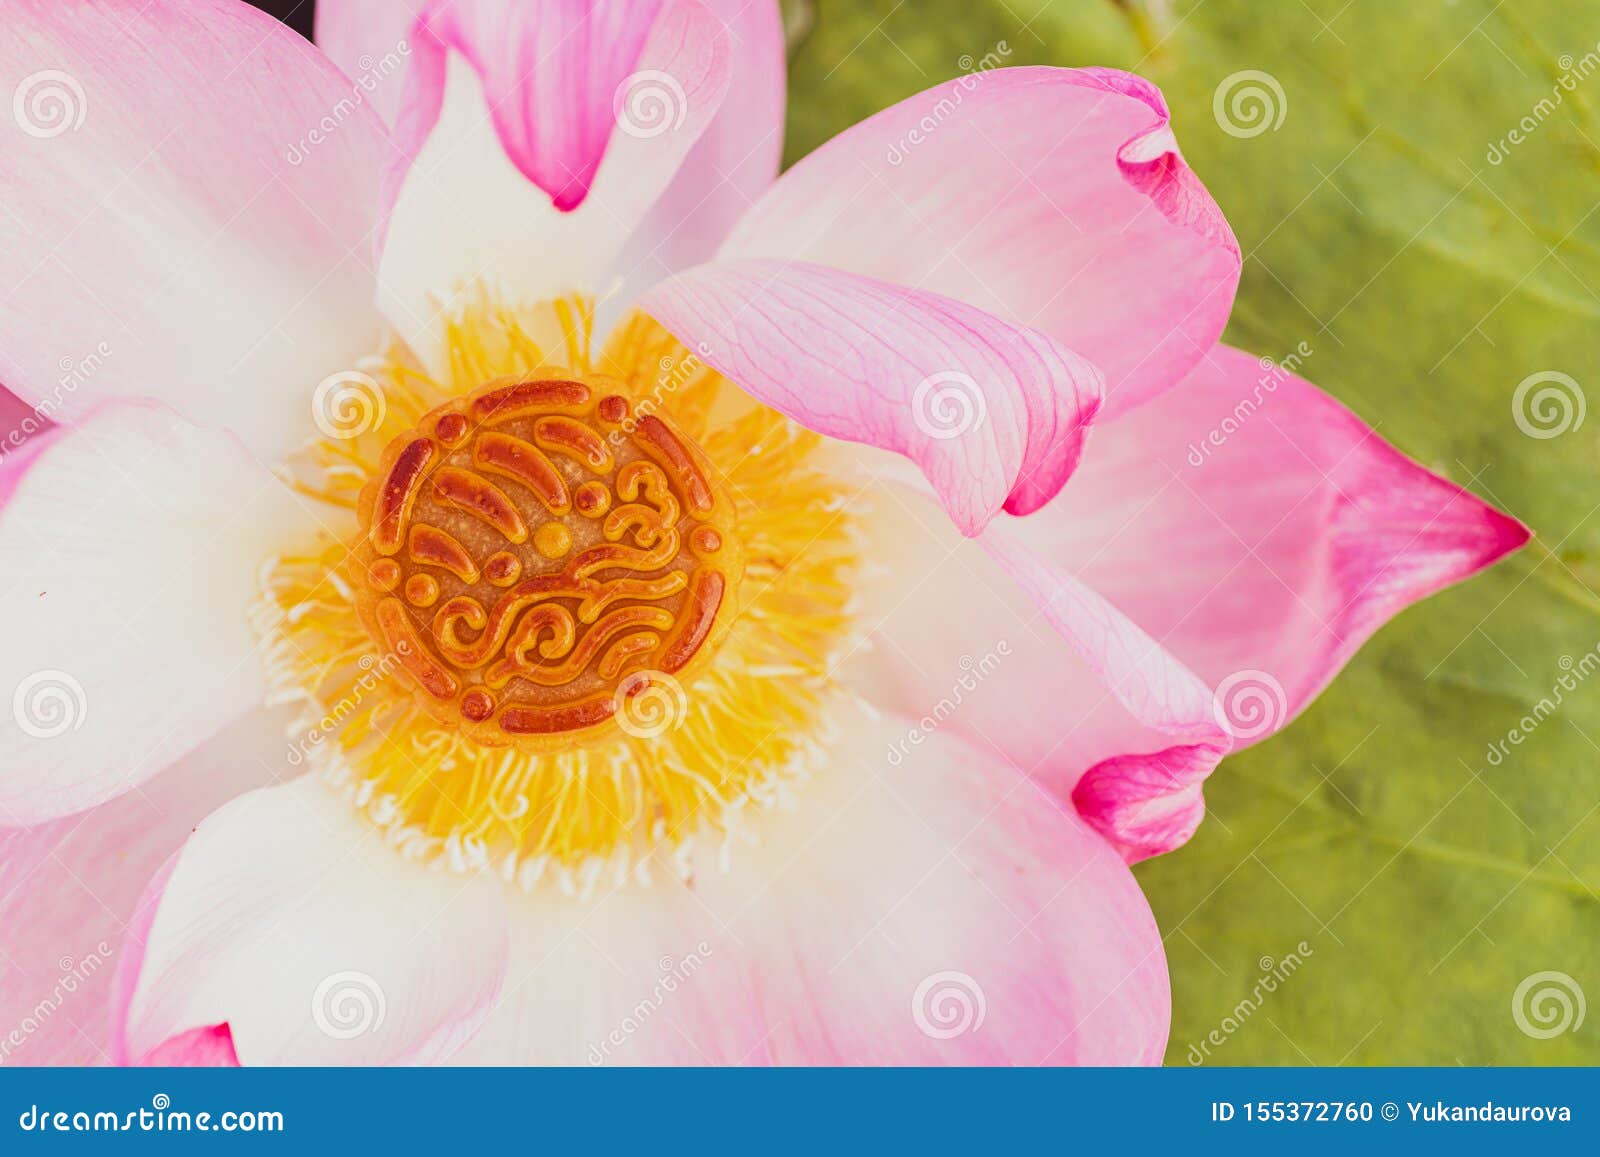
(715, 616)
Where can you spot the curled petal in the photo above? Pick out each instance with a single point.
(994, 414)
(1053, 198)
(1144, 802)
(989, 639)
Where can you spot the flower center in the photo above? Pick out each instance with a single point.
(538, 555)
(500, 639)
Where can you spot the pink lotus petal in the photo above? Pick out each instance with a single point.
(199, 1048)
(1286, 530)
(734, 161)
(464, 213)
(287, 919)
(69, 892)
(994, 414)
(1144, 802)
(1053, 198)
(188, 211)
(372, 41)
(988, 640)
(550, 69)
(206, 1046)
(33, 439)
(1253, 565)
(136, 939)
(130, 547)
(19, 421)
(937, 910)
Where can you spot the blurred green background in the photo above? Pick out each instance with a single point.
(1433, 263)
